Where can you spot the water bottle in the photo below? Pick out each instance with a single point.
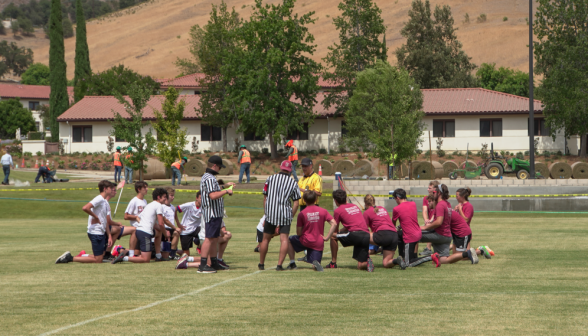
(338, 179)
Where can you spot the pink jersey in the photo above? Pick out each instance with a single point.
(312, 221)
(459, 226)
(380, 221)
(350, 216)
(443, 209)
(468, 211)
(406, 213)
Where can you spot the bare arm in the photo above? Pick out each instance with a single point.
(460, 210)
(435, 224)
(130, 217)
(108, 234)
(299, 231)
(426, 213)
(111, 222)
(160, 222)
(295, 207)
(332, 230)
(218, 194)
(168, 223)
(88, 209)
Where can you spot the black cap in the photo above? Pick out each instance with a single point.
(400, 193)
(306, 162)
(215, 159)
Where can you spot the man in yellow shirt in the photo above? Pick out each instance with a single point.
(310, 181)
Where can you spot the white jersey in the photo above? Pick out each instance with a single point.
(192, 217)
(169, 212)
(135, 208)
(260, 225)
(149, 217)
(101, 208)
(202, 233)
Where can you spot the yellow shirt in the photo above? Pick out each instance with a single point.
(312, 182)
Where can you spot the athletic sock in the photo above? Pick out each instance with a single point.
(213, 260)
(219, 259)
(158, 255)
(131, 253)
(292, 261)
(85, 255)
(190, 259)
(203, 262)
(465, 255)
(126, 259)
(173, 253)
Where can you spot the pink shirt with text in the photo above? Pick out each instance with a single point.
(378, 221)
(443, 208)
(312, 221)
(350, 216)
(406, 213)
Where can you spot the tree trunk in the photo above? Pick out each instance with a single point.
(273, 147)
(225, 139)
(583, 142)
(141, 171)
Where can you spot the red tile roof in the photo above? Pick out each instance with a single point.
(28, 91)
(188, 81)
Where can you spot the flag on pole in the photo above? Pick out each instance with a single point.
(120, 185)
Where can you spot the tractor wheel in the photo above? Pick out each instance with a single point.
(522, 174)
(453, 176)
(494, 171)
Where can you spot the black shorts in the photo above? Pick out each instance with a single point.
(213, 227)
(259, 236)
(360, 241)
(461, 243)
(122, 230)
(187, 240)
(144, 241)
(270, 228)
(99, 243)
(407, 251)
(388, 239)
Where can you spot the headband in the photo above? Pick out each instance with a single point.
(441, 190)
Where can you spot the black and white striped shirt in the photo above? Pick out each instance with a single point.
(280, 189)
(210, 208)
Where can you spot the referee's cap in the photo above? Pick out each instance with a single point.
(215, 159)
(286, 165)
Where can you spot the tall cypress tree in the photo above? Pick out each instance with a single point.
(82, 60)
(58, 100)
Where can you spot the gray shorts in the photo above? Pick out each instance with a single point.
(440, 243)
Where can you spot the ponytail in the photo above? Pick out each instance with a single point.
(464, 192)
(369, 201)
(444, 192)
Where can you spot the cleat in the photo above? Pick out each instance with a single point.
(222, 263)
(206, 269)
(119, 258)
(256, 249)
(370, 265)
(158, 259)
(435, 258)
(198, 249)
(261, 267)
(485, 252)
(303, 259)
(291, 267)
(332, 265)
(473, 256)
(401, 263)
(183, 262)
(64, 258)
(317, 266)
(426, 252)
(81, 253)
(218, 267)
(279, 268)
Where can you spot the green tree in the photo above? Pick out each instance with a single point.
(561, 53)
(15, 27)
(14, 59)
(58, 99)
(190, 66)
(130, 126)
(36, 74)
(432, 54)
(13, 116)
(82, 58)
(67, 28)
(360, 27)
(503, 79)
(385, 113)
(2, 30)
(26, 26)
(12, 11)
(117, 79)
(171, 138)
(274, 79)
(218, 42)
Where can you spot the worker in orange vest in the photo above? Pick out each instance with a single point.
(244, 160)
(292, 156)
(177, 169)
(128, 169)
(117, 165)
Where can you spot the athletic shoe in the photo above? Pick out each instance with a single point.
(261, 267)
(183, 262)
(473, 256)
(198, 249)
(159, 259)
(435, 258)
(64, 258)
(490, 250)
(177, 257)
(81, 252)
(256, 249)
(218, 267)
(485, 252)
(332, 265)
(206, 269)
(426, 252)
(401, 263)
(317, 266)
(222, 263)
(370, 266)
(119, 258)
(291, 267)
(303, 259)
(280, 268)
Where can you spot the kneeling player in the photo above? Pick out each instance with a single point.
(172, 233)
(223, 240)
(383, 231)
(354, 233)
(310, 227)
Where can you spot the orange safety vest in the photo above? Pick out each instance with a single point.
(177, 165)
(246, 158)
(117, 159)
(128, 157)
(294, 156)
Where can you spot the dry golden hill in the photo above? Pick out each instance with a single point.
(148, 39)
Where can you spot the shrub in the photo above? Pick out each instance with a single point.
(322, 151)
(481, 19)
(61, 164)
(520, 156)
(526, 153)
(84, 154)
(39, 153)
(106, 166)
(547, 154)
(419, 151)
(49, 155)
(466, 18)
(332, 161)
(355, 161)
(267, 163)
(94, 166)
(265, 151)
(36, 135)
(449, 157)
(359, 156)
(441, 153)
(72, 165)
(559, 153)
(281, 150)
(505, 19)
(314, 152)
(84, 166)
(28, 154)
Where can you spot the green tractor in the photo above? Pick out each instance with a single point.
(496, 166)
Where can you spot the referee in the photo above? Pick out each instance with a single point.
(278, 192)
(310, 181)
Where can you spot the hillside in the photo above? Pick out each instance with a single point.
(149, 38)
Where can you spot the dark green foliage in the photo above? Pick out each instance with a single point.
(116, 79)
(274, 79)
(67, 28)
(432, 54)
(82, 58)
(126, 3)
(26, 26)
(58, 100)
(171, 138)
(36, 74)
(561, 59)
(36, 135)
(13, 116)
(503, 79)
(14, 59)
(2, 30)
(360, 27)
(11, 11)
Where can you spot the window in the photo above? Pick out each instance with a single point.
(444, 128)
(541, 129)
(253, 137)
(490, 127)
(82, 134)
(34, 105)
(196, 92)
(37, 124)
(343, 128)
(299, 135)
(210, 133)
(117, 139)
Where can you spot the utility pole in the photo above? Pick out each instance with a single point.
(531, 105)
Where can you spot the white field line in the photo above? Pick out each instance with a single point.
(149, 305)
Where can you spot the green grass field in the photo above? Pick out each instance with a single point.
(536, 283)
